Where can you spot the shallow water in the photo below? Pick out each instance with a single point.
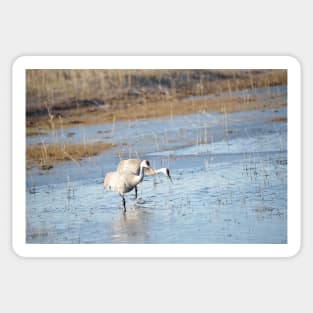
(229, 184)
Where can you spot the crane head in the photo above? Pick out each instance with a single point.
(145, 164)
(166, 172)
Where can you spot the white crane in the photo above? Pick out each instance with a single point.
(122, 182)
(133, 166)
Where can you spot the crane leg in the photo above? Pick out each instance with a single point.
(124, 203)
(135, 192)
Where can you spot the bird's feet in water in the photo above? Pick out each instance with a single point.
(122, 208)
(140, 201)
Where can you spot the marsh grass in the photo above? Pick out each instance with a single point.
(57, 99)
(65, 88)
(100, 96)
(223, 105)
(32, 132)
(278, 119)
(45, 155)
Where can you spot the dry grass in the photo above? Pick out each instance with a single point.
(87, 116)
(33, 132)
(63, 98)
(45, 155)
(278, 119)
(98, 96)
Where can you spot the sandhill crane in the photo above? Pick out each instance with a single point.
(133, 166)
(125, 181)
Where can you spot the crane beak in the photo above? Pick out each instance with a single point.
(170, 178)
(168, 175)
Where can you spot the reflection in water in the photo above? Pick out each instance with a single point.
(131, 226)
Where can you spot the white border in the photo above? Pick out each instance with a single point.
(156, 250)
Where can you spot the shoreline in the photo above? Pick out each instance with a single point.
(99, 115)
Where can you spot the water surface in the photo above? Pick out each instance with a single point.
(229, 174)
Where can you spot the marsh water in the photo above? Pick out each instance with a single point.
(229, 185)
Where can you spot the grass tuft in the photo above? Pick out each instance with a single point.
(45, 155)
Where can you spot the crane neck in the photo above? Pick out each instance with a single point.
(141, 174)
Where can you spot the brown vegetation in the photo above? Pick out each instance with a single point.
(62, 98)
(33, 132)
(278, 119)
(67, 97)
(45, 155)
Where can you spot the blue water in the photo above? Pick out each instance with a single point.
(229, 183)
